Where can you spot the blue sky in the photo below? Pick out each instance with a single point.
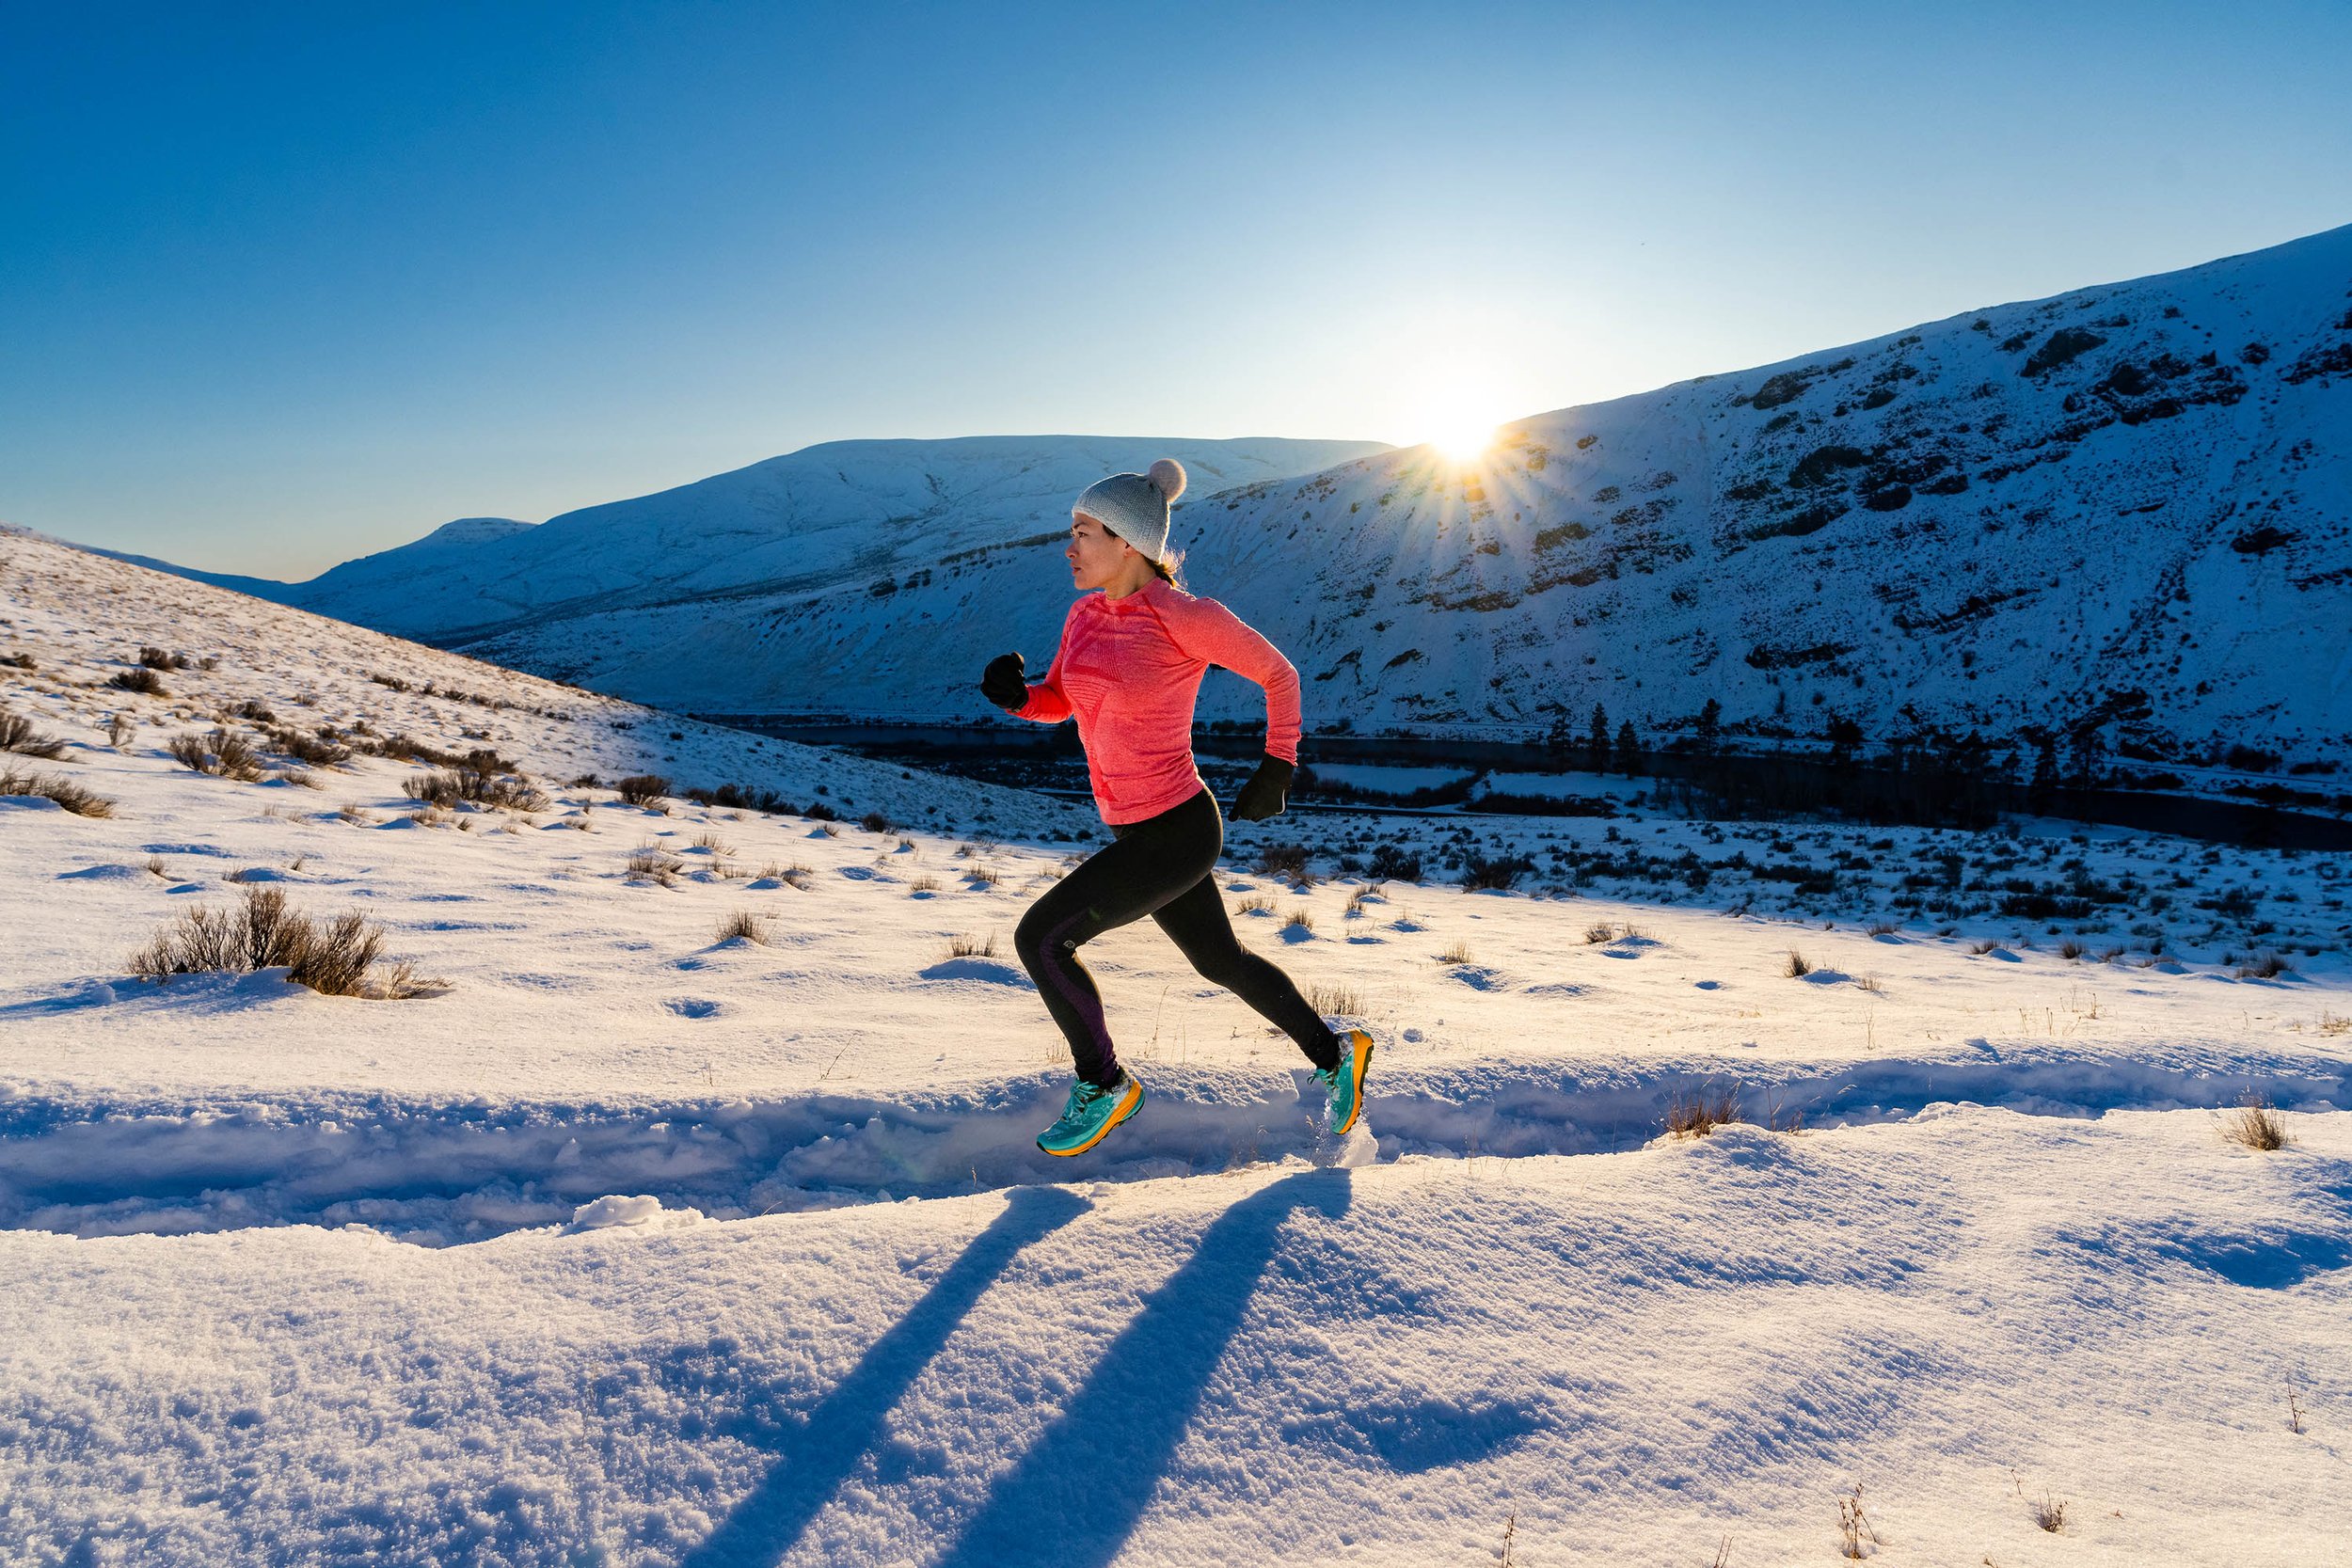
(282, 285)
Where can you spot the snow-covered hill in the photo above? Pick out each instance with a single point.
(842, 513)
(2123, 512)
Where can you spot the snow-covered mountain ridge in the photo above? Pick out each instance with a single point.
(825, 515)
(2122, 513)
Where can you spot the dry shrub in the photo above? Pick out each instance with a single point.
(118, 731)
(314, 750)
(142, 680)
(745, 924)
(2256, 1124)
(480, 786)
(335, 957)
(156, 658)
(2265, 966)
(875, 822)
(17, 735)
(1597, 934)
(1797, 965)
(972, 947)
(1287, 861)
(1696, 1113)
(642, 789)
(57, 787)
(223, 755)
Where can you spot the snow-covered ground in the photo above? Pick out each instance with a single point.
(629, 1243)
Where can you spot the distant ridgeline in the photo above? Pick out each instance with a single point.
(2094, 540)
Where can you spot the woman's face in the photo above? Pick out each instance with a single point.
(1098, 557)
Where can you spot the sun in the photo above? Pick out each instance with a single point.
(1465, 439)
(1457, 415)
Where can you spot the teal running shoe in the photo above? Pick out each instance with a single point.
(1344, 1084)
(1090, 1114)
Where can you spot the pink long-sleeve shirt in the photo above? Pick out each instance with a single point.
(1129, 670)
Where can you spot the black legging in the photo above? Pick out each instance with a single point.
(1163, 866)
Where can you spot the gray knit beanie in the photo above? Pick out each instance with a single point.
(1135, 506)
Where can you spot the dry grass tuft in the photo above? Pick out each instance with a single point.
(1696, 1113)
(1336, 1001)
(1457, 954)
(1855, 1538)
(17, 735)
(55, 787)
(2265, 966)
(652, 863)
(2256, 1124)
(924, 884)
(1300, 918)
(2071, 949)
(335, 957)
(1254, 906)
(1983, 945)
(746, 924)
(972, 947)
(984, 876)
(141, 680)
(1798, 967)
(1594, 935)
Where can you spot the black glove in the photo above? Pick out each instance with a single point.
(1266, 793)
(1002, 683)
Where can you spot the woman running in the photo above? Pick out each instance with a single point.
(1129, 666)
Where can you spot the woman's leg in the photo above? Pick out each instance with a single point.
(1197, 922)
(1148, 863)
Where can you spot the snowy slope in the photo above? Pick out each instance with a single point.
(2126, 510)
(1649, 1358)
(732, 1251)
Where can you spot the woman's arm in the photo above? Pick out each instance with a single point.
(1207, 631)
(1046, 704)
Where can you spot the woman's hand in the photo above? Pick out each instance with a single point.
(1002, 684)
(1266, 793)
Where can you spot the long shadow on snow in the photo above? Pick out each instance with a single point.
(848, 1422)
(1088, 1476)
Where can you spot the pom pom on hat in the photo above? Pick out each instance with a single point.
(1168, 478)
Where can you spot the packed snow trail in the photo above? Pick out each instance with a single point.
(1629, 1356)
